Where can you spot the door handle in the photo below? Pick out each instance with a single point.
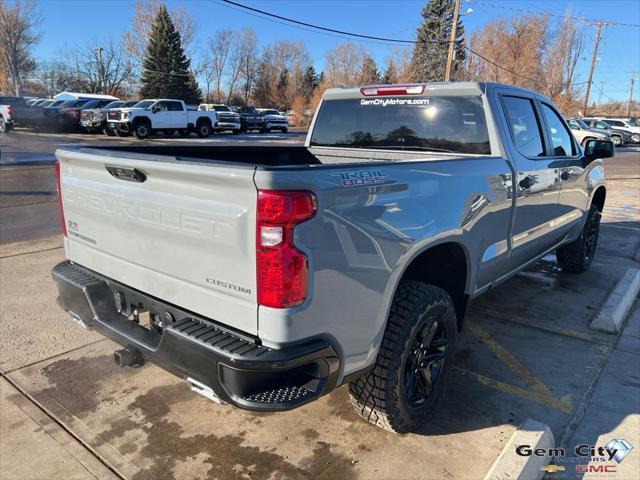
(565, 175)
(526, 183)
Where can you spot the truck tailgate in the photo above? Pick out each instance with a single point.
(185, 234)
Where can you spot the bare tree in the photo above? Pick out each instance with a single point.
(204, 70)
(94, 68)
(343, 65)
(18, 36)
(135, 40)
(219, 48)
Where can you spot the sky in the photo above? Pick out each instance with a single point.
(67, 22)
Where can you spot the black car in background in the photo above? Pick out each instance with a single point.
(250, 119)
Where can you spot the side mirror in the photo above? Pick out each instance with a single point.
(595, 149)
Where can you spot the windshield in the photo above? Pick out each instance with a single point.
(144, 104)
(115, 104)
(581, 123)
(91, 104)
(448, 123)
(130, 104)
(249, 110)
(221, 108)
(270, 112)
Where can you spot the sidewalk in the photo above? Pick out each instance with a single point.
(614, 409)
(33, 447)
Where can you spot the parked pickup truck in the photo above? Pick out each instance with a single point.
(227, 119)
(266, 276)
(14, 112)
(150, 116)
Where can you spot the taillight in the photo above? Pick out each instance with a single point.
(379, 90)
(63, 224)
(10, 110)
(282, 269)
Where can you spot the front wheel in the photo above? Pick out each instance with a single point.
(635, 138)
(142, 130)
(409, 375)
(576, 257)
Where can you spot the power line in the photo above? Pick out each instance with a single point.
(370, 37)
(327, 29)
(591, 21)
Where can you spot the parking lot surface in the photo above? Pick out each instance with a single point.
(526, 352)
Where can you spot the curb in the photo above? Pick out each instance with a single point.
(509, 465)
(611, 315)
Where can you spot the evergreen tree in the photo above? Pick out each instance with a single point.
(430, 53)
(391, 73)
(369, 74)
(166, 70)
(310, 82)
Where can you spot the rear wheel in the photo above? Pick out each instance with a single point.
(203, 129)
(635, 138)
(4, 127)
(576, 257)
(409, 375)
(617, 140)
(142, 130)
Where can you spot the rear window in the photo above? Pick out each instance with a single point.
(448, 123)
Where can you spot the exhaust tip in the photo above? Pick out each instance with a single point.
(128, 357)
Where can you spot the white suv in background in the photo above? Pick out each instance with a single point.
(274, 119)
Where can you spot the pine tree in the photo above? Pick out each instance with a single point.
(390, 74)
(430, 53)
(166, 70)
(310, 82)
(369, 74)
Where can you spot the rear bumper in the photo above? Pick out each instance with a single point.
(234, 366)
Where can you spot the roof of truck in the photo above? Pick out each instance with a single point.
(432, 88)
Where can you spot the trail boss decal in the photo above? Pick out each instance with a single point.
(362, 177)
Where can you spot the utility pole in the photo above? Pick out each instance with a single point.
(601, 91)
(593, 66)
(452, 38)
(100, 70)
(633, 74)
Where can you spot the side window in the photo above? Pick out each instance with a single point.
(524, 125)
(162, 106)
(560, 137)
(573, 125)
(175, 106)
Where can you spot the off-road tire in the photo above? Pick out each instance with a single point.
(576, 257)
(142, 130)
(379, 396)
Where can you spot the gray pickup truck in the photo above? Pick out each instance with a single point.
(14, 112)
(268, 276)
